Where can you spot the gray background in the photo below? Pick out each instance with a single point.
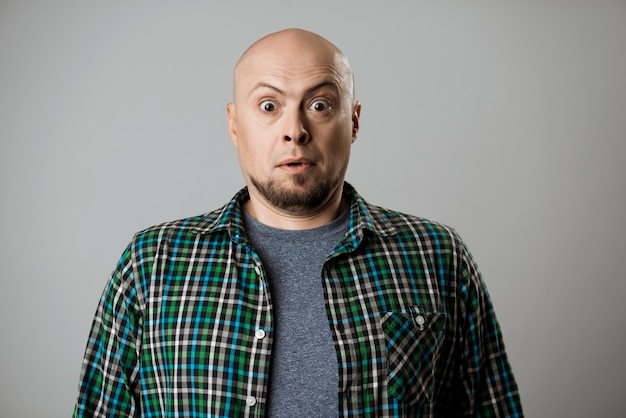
(506, 120)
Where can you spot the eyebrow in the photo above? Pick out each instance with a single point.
(262, 84)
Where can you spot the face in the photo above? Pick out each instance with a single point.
(293, 122)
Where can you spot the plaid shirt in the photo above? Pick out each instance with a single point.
(184, 326)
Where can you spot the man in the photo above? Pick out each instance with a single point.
(297, 298)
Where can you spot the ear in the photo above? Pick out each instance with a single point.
(231, 116)
(356, 115)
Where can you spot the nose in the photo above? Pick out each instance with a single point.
(294, 128)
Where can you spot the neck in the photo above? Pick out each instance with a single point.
(269, 215)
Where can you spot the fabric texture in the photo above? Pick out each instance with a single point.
(184, 327)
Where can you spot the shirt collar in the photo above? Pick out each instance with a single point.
(363, 217)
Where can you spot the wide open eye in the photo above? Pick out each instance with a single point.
(268, 106)
(320, 105)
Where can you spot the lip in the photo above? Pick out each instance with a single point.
(296, 165)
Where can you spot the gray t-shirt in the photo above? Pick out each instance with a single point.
(304, 376)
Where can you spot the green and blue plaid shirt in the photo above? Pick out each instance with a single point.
(184, 326)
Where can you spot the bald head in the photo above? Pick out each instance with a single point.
(293, 120)
(291, 50)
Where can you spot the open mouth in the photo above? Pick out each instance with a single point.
(297, 165)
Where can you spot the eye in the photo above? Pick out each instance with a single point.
(320, 105)
(268, 105)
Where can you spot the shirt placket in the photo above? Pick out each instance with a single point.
(260, 341)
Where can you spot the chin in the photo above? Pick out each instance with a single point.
(297, 196)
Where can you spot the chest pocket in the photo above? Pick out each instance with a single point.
(413, 341)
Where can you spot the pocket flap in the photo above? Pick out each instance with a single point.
(412, 340)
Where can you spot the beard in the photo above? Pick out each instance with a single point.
(301, 199)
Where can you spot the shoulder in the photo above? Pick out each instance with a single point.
(393, 226)
(408, 227)
(210, 226)
(179, 231)
(413, 224)
(427, 242)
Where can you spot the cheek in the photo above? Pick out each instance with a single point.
(338, 155)
(249, 155)
(254, 152)
(341, 141)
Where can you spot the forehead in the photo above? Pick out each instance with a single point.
(292, 62)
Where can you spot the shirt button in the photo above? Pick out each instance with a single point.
(259, 334)
(420, 320)
(250, 401)
(258, 270)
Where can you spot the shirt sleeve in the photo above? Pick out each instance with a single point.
(487, 387)
(110, 366)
